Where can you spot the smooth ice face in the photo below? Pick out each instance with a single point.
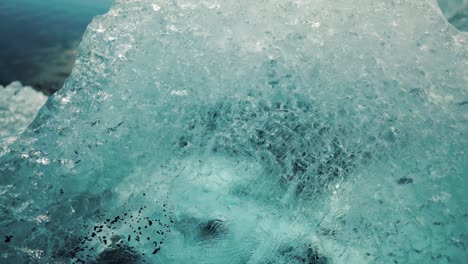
(240, 132)
(219, 215)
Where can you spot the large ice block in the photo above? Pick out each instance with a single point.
(249, 132)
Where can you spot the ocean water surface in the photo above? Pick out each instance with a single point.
(39, 39)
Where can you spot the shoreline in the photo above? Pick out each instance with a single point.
(46, 71)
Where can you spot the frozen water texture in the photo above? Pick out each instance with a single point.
(18, 107)
(249, 132)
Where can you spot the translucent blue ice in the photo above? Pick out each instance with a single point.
(249, 132)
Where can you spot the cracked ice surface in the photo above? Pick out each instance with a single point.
(248, 132)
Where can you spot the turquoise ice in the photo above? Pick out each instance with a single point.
(248, 132)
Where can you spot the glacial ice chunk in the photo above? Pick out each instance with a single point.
(248, 132)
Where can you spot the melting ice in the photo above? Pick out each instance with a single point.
(241, 132)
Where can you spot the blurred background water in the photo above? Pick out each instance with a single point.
(456, 12)
(38, 39)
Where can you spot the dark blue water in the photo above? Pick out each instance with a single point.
(38, 39)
